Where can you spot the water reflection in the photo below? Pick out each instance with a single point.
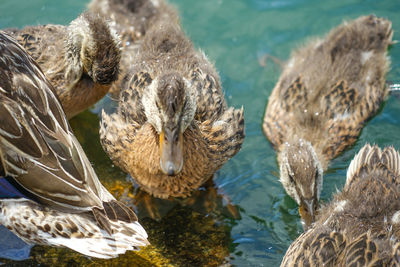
(206, 200)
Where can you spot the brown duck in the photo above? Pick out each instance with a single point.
(130, 19)
(361, 225)
(49, 192)
(327, 91)
(80, 60)
(172, 129)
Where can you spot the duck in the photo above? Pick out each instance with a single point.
(49, 192)
(326, 93)
(130, 19)
(172, 129)
(81, 60)
(361, 225)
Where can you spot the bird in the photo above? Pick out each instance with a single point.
(327, 91)
(172, 129)
(130, 19)
(361, 225)
(49, 192)
(81, 60)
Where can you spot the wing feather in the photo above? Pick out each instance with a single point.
(280, 115)
(210, 101)
(35, 137)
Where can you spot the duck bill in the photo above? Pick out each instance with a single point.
(307, 213)
(171, 156)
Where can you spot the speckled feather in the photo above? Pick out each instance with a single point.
(214, 135)
(43, 160)
(361, 225)
(328, 90)
(330, 87)
(130, 19)
(80, 60)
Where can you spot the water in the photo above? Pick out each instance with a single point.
(235, 35)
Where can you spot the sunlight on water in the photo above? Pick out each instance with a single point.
(235, 35)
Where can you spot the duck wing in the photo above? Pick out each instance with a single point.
(210, 100)
(314, 248)
(284, 103)
(357, 53)
(31, 39)
(331, 86)
(38, 148)
(360, 227)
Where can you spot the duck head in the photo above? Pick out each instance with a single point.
(170, 105)
(301, 176)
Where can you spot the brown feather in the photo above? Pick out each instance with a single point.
(45, 144)
(62, 202)
(102, 220)
(328, 90)
(163, 84)
(116, 210)
(343, 93)
(361, 225)
(81, 83)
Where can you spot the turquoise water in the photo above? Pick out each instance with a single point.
(235, 35)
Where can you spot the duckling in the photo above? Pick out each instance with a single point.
(80, 60)
(49, 192)
(361, 225)
(327, 91)
(130, 19)
(172, 129)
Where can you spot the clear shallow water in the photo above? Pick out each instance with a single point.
(235, 35)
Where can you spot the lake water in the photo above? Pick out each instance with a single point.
(235, 35)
